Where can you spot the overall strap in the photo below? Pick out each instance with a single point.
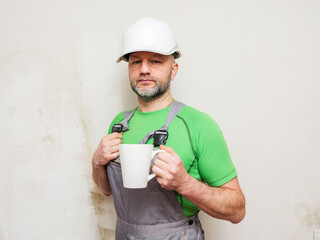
(123, 126)
(174, 110)
(126, 119)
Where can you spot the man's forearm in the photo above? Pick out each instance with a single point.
(100, 177)
(225, 202)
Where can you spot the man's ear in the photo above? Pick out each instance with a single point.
(174, 68)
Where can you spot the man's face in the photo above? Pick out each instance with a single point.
(150, 73)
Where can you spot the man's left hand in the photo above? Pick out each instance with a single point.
(169, 170)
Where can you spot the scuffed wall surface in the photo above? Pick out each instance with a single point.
(44, 168)
(47, 136)
(252, 65)
(105, 212)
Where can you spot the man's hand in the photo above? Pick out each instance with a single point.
(107, 150)
(169, 170)
(224, 202)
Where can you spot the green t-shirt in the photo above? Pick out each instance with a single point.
(195, 137)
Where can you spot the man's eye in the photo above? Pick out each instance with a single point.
(155, 61)
(135, 62)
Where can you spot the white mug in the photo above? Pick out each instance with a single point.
(135, 164)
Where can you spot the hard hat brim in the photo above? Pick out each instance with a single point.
(177, 54)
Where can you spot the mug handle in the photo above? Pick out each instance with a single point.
(154, 152)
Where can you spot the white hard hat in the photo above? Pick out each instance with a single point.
(151, 35)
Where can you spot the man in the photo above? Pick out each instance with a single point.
(194, 173)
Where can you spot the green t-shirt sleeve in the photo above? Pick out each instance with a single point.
(215, 164)
(116, 120)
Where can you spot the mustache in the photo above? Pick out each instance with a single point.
(141, 78)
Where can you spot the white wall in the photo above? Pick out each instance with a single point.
(252, 65)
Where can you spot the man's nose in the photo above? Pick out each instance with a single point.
(145, 68)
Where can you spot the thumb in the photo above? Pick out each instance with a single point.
(167, 149)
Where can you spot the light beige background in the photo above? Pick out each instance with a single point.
(253, 65)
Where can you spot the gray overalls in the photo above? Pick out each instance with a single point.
(151, 213)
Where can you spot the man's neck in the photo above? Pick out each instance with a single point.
(158, 103)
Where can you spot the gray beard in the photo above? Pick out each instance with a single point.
(151, 93)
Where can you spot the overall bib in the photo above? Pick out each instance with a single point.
(150, 213)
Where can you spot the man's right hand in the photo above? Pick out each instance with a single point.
(107, 150)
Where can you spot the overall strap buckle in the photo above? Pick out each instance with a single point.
(117, 128)
(160, 137)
